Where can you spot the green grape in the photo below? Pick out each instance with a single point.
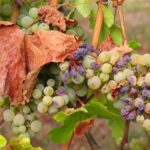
(26, 109)
(8, 115)
(40, 87)
(36, 93)
(15, 130)
(19, 120)
(31, 133)
(88, 59)
(50, 82)
(128, 72)
(138, 144)
(106, 68)
(42, 108)
(48, 91)
(146, 125)
(134, 58)
(25, 135)
(66, 99)
(147, 108)
(64, 65)
(52, 109)
(140, 119)
(36, 126)
(140, 81)
(104, 77)
(94, 83)
(33, 12)
(58, 101)
(109, 97)
(89, 73)
(114, 57)
(82, 91)
(54, 69)
(26, 21)
(31, 117)
(22, 129)
(43, 26)
(147, 79)
(2, 101)
(47, 100)
(103, 57)
(35, 27)
(112, 84)
(71, 94)
(79, 79)
(119, 77)
(105, 89)
(6, 9)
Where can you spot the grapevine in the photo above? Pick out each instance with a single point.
(54, 71)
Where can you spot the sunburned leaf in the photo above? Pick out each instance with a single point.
(106, 45)
(12, 61)
(52, 16)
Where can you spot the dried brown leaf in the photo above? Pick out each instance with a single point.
(48, 46)
(106, 45)
(52, 16)
(83, 127)
(12, 61)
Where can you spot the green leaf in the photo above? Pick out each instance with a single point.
(60, 117)
(64, 132)
(105, 32)
(108, 16)
(117, 128)
(116, 35)
(22, 143)
(134, 45)
(71, 14)
(93, 15)
(3, 141)
(83, 7)
(96, 109)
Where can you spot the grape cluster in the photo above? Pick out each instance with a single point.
(22, 120)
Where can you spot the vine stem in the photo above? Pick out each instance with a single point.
(124, 142)
(67, 145)
(98, 25)
(122, 23)
(15, 13)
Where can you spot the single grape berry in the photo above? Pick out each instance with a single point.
(48, 91)
(33, 12)
(106, 68)
(47, 100)
(36, 126)
(19, 120)
(94, 83)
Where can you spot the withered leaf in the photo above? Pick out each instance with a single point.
(48, 46)
(83, 127)
(22, 57)
(106, 45)
(52, 16)
(12, 61)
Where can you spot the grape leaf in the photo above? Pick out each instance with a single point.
(108, 16)
(117, 128)
(3, 141)
(60, 117)
(116, 35)
(134, 45)
(65, 131)
(105, 32)
(52, 16)
(83, 7)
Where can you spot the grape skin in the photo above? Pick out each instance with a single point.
(8, 115)
(36, 126)
(33, 12)
(19, 120)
